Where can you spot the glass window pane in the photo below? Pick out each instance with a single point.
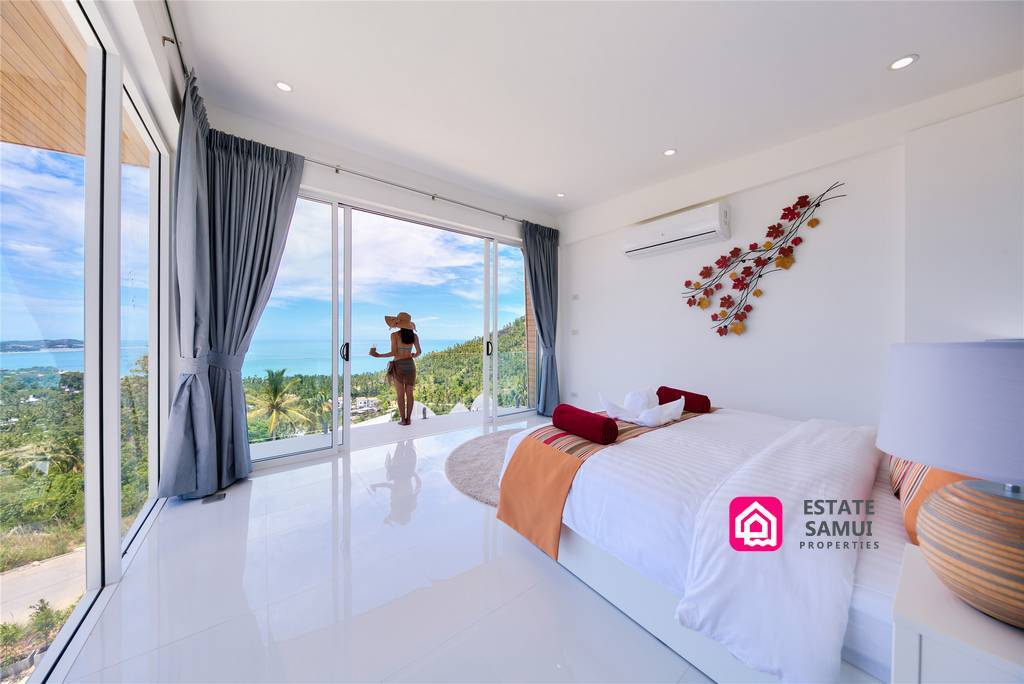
(517, 334)
(287, 372)
(42, 242)
(436, 276)
(135, 307)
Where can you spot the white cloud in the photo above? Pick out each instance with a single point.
(386, 253)
(43, 214)
(27, 249)
(389, 253)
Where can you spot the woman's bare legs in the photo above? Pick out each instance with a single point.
(409, 389)
(400, 391)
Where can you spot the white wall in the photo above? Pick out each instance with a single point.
(928, 245)
(817, 339)
(373, 195)
(782, 161)
(965, 227)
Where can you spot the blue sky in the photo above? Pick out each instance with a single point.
(42, 245)
(435, 275)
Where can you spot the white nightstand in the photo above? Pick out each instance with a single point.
(936, 637)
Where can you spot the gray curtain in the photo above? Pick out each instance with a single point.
(190, 448)
(234, 203)
(540, 246)
(253, 189)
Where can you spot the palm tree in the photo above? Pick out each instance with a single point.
(275, 401)
(318, 406)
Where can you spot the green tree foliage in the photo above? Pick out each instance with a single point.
(134, 441)
(275, 400)
(18, 641)
(42, 469)
(444, 378)
(42, 478)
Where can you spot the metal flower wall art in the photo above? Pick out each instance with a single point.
(736, 276)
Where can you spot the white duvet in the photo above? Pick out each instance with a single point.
(659, 503)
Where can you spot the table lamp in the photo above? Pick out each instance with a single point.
(960, 407)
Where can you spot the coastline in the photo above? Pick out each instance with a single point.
(299, 357)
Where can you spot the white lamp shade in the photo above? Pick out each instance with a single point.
(957, 406)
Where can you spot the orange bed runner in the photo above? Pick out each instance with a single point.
(540, 474)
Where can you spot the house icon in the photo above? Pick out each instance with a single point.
(756, 526)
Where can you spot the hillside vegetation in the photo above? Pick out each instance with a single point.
(300, 404)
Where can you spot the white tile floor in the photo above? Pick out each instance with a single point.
(365, 568)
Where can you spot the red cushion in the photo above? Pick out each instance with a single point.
(695, 403)
(592, 426)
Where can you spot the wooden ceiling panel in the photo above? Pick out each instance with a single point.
(42, 83)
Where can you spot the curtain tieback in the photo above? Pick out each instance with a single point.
(229, 362)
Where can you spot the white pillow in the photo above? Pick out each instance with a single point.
(639, 401)
(659, 415)
(614, 410)
(641, 407)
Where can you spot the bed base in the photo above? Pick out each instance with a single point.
(652, 606)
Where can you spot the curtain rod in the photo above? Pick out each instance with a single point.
(177, 43)
(432, 195)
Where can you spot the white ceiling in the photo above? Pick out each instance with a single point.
(525, 100)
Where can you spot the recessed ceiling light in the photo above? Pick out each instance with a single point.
(281, 85)
(561, 194)
(669, 152)
(903, 62)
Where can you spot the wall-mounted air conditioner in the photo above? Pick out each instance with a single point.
(679, 230)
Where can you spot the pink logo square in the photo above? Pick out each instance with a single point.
(755, 523)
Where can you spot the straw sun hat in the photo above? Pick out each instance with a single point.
(402, 320)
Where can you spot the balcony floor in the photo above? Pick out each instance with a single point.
(337, 571)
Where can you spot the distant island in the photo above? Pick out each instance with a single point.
(40, 345)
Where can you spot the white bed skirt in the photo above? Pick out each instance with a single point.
(652, 606)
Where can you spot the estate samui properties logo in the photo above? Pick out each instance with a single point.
(755, 523)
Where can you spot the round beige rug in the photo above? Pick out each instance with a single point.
(473, 467)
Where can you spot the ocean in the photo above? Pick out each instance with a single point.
(307, 357)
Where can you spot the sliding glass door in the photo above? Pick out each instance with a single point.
(515, 334)
(437, 277)
(289, 369)
(310, 377)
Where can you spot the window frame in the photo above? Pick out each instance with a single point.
(106, 553)
(343, 207)
(303, 446)
(510, 411)
(156, 380)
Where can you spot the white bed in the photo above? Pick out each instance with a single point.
(868, 642)
(628, 528)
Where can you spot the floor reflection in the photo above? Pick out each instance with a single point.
(368, 566)
(403, 482)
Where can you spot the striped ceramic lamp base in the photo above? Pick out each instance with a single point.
(972, 533)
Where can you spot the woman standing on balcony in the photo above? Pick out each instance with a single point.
(402, 371)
